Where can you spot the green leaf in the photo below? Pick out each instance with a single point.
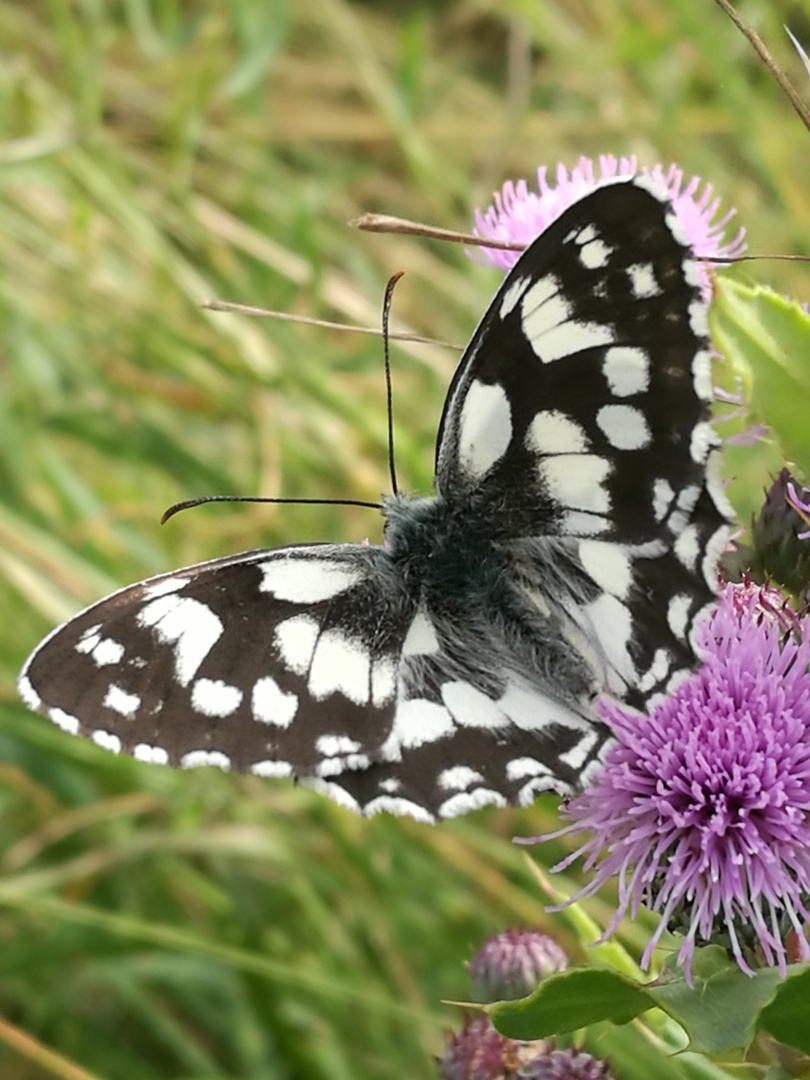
(766, 339)
(719, 1012)
(569, 1001)
(787, 1017)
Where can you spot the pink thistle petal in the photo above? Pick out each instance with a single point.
(517, 214)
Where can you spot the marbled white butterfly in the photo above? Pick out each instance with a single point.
(571, 544)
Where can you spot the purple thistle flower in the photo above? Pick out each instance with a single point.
(567, 1064)
(518, 215)
(511, 964)
(702, 808)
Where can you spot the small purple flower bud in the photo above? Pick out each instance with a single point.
(477, 1052)
(779, 549)
(565, 1065)
(511, 964)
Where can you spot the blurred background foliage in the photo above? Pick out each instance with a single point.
(155, 153)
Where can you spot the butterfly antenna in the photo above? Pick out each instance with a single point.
(188, 503)
(389, 395)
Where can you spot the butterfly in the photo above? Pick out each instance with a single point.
(568, 550)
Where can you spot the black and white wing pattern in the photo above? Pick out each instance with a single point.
(570, 546)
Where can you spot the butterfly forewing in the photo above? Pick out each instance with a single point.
(571, 545)
(581, 412)
(265, 662)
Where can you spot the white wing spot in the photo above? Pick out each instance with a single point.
(190, 626)
(627, 370)
(512, 295)
(269, 704)
(393, 804)
(421, 639)
(458, 778)
(471, 707)
(215, 698)
(27, 691)
(153, 755)
(702, 375)
(485, 428)
(416, 722)
(194, 758)
(295, 640)
(390, 785)
(609, 565)
(334, 791)
(679, 517)
(271, 768)
(613, 623)
(691, 273)
(103, 651)
(521, 768)
(595, 254)
(340, 665)
(120, 701)
(553, 335)
(704, 438)
(687, 547)
(306, 581)
(642, 281)
(108, 651)
(345, 763)
(656, 673)
(584, 236)
(466, 801)
(678, 615)
(383, 681)
(107, 740)
(699, 318)
(662, 498)
(529, 792)
(64, 721)
(333, 745)
(576, 481)
(715, 546)
(579, 523)
(89, 639)
(164, 586)
(552, 432)
(674, 224)
(528, 709)
(624, 427)
(576, 757)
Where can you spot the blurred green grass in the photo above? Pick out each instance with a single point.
(154, 154)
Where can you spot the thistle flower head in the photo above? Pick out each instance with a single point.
(517, 214)
(567, 1064)
(511, 964)
(702, 808)
(477, 1052)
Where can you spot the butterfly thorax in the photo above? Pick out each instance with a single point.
(466, 574)
(440, 545)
